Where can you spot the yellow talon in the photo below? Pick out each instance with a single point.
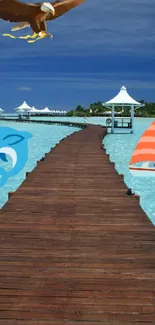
(21, 37)
(24, 37)
(34, 35)
(41, 36)
(31, 41)
(9, 35)
(29, 36)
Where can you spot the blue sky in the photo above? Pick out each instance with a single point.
(97, 47)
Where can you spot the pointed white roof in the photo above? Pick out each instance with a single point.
(33, 109)
(122, 98)
(1, 110)
(46, 109)
(24, 106)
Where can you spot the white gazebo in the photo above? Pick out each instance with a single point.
(23, 108)
(122, 99)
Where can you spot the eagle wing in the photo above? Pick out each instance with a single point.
(61, 7)
(16, 11)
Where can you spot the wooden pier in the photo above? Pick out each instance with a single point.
(74, 248)
(48, 122)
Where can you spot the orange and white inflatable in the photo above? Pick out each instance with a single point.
(144, 154)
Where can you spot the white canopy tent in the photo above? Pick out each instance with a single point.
(23, 108)
(33, 110)
(122, 99)
(26, 108)
(46, 110)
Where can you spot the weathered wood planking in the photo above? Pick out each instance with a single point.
(74, 248)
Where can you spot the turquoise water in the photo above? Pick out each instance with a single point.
(44, 138)
(119, 147)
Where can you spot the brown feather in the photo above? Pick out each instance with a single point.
(61, 7)
(16, 11)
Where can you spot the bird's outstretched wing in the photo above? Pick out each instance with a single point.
(15, 11)
(61, 7)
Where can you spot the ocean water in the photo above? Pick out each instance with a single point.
(119, 147)
(44, 138)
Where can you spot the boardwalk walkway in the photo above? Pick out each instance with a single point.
(37, 121)
(74, 248)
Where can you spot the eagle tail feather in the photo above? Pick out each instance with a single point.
(20, 26)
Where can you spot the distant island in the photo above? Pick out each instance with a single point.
(97, 109)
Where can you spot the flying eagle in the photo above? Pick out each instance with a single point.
(16, 11)
(34, 15)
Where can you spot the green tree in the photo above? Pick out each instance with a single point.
(79, 108)
(148, 110)
(70, 113)
(80, 113)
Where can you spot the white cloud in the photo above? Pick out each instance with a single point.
(98, 81)
(24, 89)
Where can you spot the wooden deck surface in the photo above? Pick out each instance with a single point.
(74, 248)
